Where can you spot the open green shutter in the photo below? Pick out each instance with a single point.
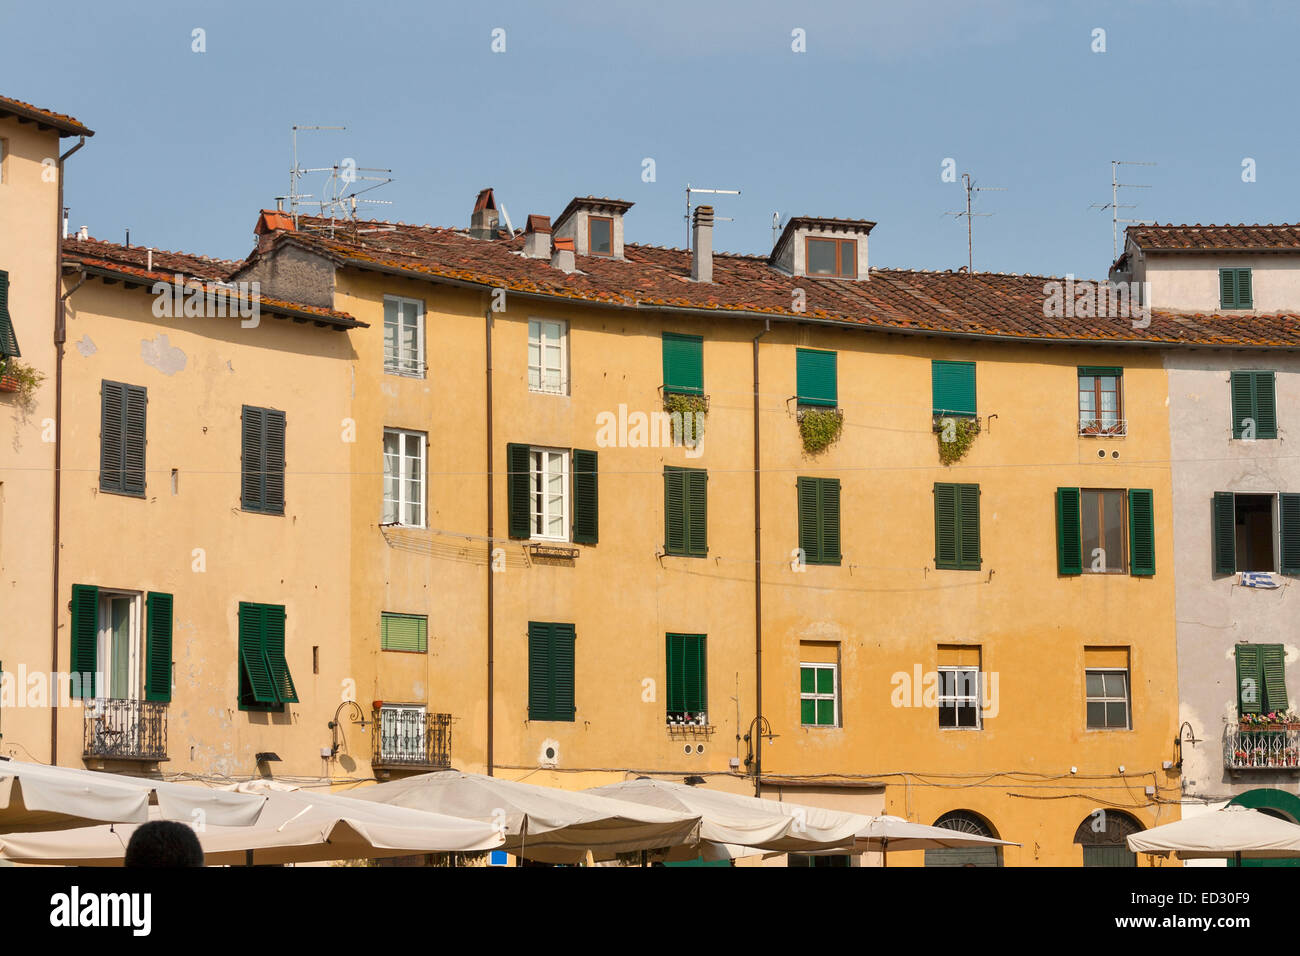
(1250, 685)
(1289, 517)
(518, 463)
(1225, 533)
(1142, 531)
(952, 386)
(1272, 661)
(816, 378)
(674, 510)
(8, 339)
(112, 399)
(133, 439)
(968, 527)
(809, 538)
(1069, 534)
(1243, 403)
(539, 672)
(273, 645)
(252, 458)
(273, 461)
(252, 655)
(85, 639)
(586, 498)
(683, 363)
(1265, 395)
(158, 650)
(697, 512)
(830, 520)
(563, 639)
(945, 525)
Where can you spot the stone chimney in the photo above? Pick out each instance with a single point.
(537, 237)
(562, 257)
(270, 224)
(702, 245)
(483, 223)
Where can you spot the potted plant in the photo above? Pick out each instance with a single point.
(19, 378)
(819, 427)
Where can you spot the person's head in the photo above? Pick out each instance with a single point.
(163, 843)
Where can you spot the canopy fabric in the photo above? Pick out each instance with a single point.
(1222, 833)
(541, 823)
(296, 826)
(34, 797)
(885, 833)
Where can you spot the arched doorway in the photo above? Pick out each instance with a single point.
(965, 821)
(1103, 834)
(1276, 803)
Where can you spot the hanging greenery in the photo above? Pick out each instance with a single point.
(820, 428)
(687, 414)
(955, 435)
(18, 377)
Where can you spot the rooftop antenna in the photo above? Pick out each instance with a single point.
(506, 216)
(776, 228)
(717, 192)
(1115, 205)
(296, 173)
(968, 184)
(341, 202)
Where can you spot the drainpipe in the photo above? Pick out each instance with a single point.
(60, 335)
(487, 333)
(758, 575)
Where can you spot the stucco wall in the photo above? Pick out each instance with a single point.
(1191, 282)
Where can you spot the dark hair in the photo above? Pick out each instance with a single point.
(163, 843)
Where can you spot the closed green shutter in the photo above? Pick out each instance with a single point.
(674, 510)
(1142, 532)
(1250, 685)
(540, 674)
(1289, 516)
(133, 440)
(1272, 660)
(1100, 371)
(273, 644)
(1242, 402)
(85, 639)
(945, 526)
(683, 363)
(809, 538)
(687, 669)
(404, 632)
(957, 527)
(816, 376)
(697, 507)
(1225, 533)
(273, 463)
(518, 464)
(676, 651)
(830, 520)
(1254, 399)
(158, 651)
(1235, 289)
(1245, 300)
(952, 387)
(686, 511)
(112, 398)
(8, 340)
(262, 460)
(252, 655)
(1069, 535)
(251, 456)
(586, 498)
(563, 640)
(968, 526)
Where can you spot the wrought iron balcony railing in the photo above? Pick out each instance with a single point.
(407, 737)
(1262, 749)
(1103, 427)
(126, 729)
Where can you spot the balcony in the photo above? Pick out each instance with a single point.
(409, 739)
(1275, 748)
(125, 730)
(1103, 427)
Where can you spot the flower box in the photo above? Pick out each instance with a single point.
(8, 383)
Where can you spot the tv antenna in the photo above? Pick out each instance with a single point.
(776, 228)
(969, 186)
(696, 189)
(1115, 205)
(296, 173)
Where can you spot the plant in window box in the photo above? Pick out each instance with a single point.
(687, 413)
(819, 427)
(956, 434)
(19, 377)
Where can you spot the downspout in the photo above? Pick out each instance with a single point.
(491, 541)
(758, 576)
(60, 335)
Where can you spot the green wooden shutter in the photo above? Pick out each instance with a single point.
(1244, 298)
(1100, 371)
(676, 650)
(683, 363)
(404, 632)
(518, 464)
(540, 672)
(830, 520)
(816, 376)
(273, 463)
(8, 340)
(1289, 516)
(85, 639)
(968, 527)
(674, 510)
(112, 398)
(252, 656)
(1227, 289)
(945, 526)
(1142, 531)
(1264, 386)
(1243, 406)
(697, 513)
(1069, 533)
(273, 645)
(952, 387)
(809, 537)
(586, 498)
(1272, 661)
(1250, 684)
(696, 682)
(252, 458)
(133, 439)
(158, 653)
(563, 639)
(1225, 533)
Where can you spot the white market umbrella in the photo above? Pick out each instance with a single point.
(35, 797)
(885, 833)
(1231, 832)
(541, 823)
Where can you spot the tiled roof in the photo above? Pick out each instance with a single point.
(1239, 238)
(110, 259)
(892, 300)
(45, 118)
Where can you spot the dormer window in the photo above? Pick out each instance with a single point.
(600, 235)
(594, 225)
(836, 258)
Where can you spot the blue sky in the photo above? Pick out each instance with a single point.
(189, 146)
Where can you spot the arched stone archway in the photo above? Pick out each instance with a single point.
(965, 821)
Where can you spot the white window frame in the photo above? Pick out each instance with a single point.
(399, 364)
(538, 458)
(833, 696)
(1127, 699)
(957, 699)
(104, 646)
(540, 369)
(407, 746)
(404, 476)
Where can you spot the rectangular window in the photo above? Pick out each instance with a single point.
(819, 697)
(1090, 531)
(548, 347)
(952, 388)
(683, 363)
(686, 511)
(1261, 679)
(545, 501)
(1102, 519)
(1254, 405)
(1100, 411)
(403, 336)
(1107, 698)
(404, 632)
(819, 519)
(548, 481)
(402, 732)
(1234, 289)
(262, 460)
(600, 236)
(959, 697)
(8, 340)
(119, 649)
(688, 686)
(837, 258)
(817, 378)
(1245, 530)
(957, 527)
(404, 472)
(122, 438)
(550, 671)
(264, 679)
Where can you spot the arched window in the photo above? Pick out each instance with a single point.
(964, 821)
(1104, 837)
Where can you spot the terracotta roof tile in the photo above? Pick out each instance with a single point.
(1227, 238)
(66, 125)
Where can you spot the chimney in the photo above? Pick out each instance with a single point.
(702, 245)
(83, 233)
(537, 237)
(562, 258)
(271, 223)
(483, 223)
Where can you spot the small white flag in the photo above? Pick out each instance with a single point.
(1257, 579)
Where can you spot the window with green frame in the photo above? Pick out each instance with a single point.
(688, 685)
(550, 671)
(683, 363)
(1254, 404)
(817, 378)
(819, 698)
(819, 519)
(686, 519)
(956, 527)
(1234, 289)
(1261, 679)
(264, 679)
(952, 387)
(404, 632)
(1090, 530)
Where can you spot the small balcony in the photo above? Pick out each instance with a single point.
(1103, 427)
(409, 739)
(125, 730)
(1267, 748)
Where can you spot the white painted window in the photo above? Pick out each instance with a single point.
(549, 493)
(548, 356)
(1106, 694)
(402, 731)
(120, 654)
(403, 336)
(959, 697)
(404, 475)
